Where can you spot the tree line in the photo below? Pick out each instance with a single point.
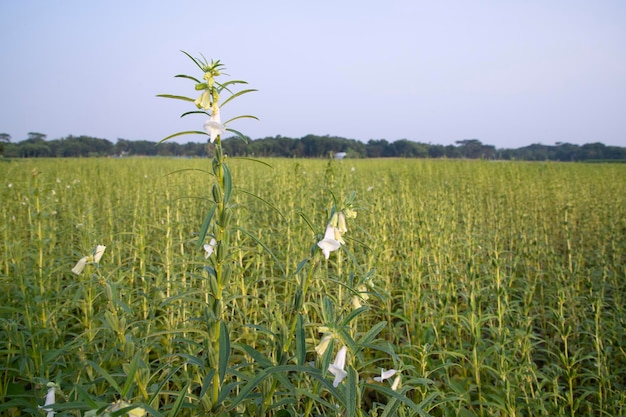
(309, 146)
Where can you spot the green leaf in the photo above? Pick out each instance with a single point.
(227, 83)
(353, 314)
(245, 116)
(194, 60)
(106, 376)
(351, 392)
(130, 374)
(283, 370)
(263, 200)
(264, 246)
(188, 132)
(243, 158)
(194, 112)
(176, 97)
(371, 334)
(237, 133)
(399, 395)
(158, 390)
(300, 341)
(237, 94)
(188, 77)
(228, 183)
(205, 226)
(207, 382)
(179, 401)
(224, 350)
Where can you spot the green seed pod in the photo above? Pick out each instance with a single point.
(213, 285)
(217, 193)
(225, 218)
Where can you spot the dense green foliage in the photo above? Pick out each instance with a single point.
(310, 146)
(502, 285)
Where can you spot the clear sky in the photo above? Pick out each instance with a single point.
(507, 72)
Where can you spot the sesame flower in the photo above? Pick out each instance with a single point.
(323, 345)
(385, 374)
(50, 397)
(99, 252)
(204, 101)
(396, 383)
(210, 247)
(80, 265)
(329, 243)
(214, 126)
(93, 259)
(337, 368)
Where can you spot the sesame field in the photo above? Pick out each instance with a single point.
(374, 287)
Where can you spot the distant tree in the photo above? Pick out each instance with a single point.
(566, 152)
(36, 137)
(4, 138)
(436, 151)
(474, 149)
(377, 148)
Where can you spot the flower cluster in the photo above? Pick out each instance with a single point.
(209, 99)
(91, 259)
(337, 368)
(333, 237)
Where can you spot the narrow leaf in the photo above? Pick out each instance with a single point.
(351, 392)
(300, 341)
(194, 112)
(188, 77)
(193, 59)
(205, 227)
(224, 350)
(130, 375)
(240, 135)
(179, 401)
(228, 183)
(237, 94)
(106, 376)
(264, 246)
(244, 116)
(176, 97)
(189, 132)
(372, 333)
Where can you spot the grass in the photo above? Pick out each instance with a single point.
(500, 285)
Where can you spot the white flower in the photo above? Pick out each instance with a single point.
(49, 400)
(214, 126)
(80, 265)
(99, 252)
(337, 368)
(341, 223)
(385, 374)
(210, 247)
(396, 383)
(329, 243)
(95, 258)
(323, 345)
(204, 101)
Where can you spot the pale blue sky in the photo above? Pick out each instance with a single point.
(509, 73)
